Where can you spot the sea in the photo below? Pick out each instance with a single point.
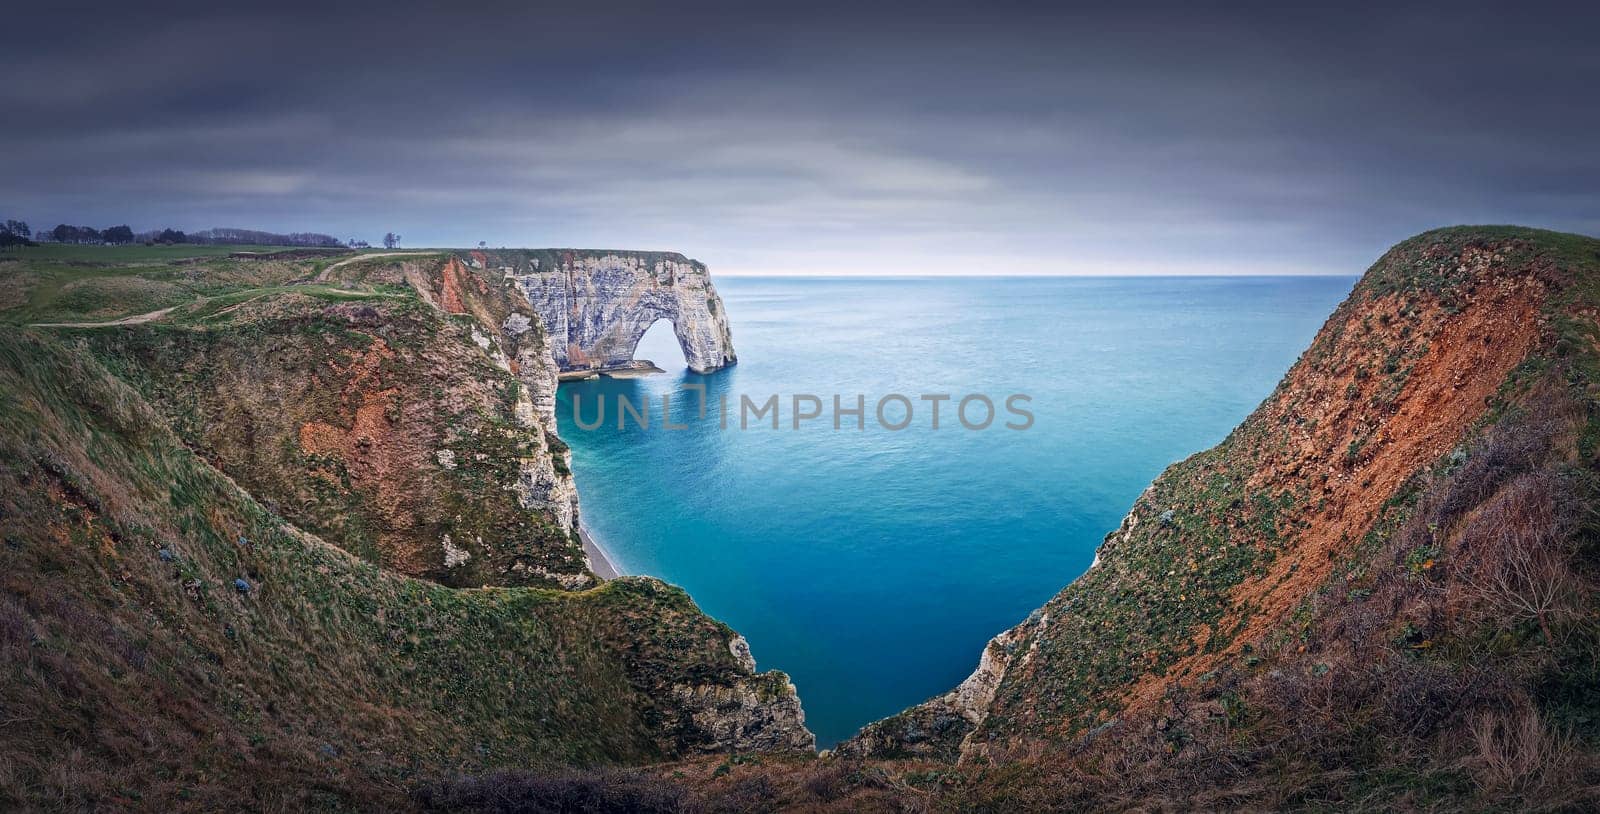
(868, 550)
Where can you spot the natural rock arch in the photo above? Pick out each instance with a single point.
(652, 345)
(597, 305)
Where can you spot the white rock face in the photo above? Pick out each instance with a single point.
(507, 329)
(453, 556)
(541, 486)
(740, 648)
(596, 306)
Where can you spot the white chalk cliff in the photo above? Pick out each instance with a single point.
(597, 305)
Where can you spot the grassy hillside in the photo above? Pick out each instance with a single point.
(372, 421)
(56, 282)
(168, 641)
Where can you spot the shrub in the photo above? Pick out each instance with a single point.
(1523, 536)
(561, 793)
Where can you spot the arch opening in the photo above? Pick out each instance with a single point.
(660, 345)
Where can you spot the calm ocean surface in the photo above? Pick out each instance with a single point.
(872, 566)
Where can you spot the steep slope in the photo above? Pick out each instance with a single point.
(1224, 547)
(179, 627)
(367, 414)
(168, 642)
(1380, 592)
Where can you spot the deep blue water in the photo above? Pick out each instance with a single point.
(872, 565)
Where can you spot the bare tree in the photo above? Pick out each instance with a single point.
(1531, 583)
(391, 240)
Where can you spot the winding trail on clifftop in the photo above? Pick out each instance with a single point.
(137, 319)
(140, 319)
(322, 276)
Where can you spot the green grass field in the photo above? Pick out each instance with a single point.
(73, 283)
(131, 253)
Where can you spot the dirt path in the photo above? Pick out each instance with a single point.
(137, 319)
(323, 276)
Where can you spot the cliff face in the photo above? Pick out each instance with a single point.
(596, 305)
(1380, 592)
(187, 638)
(511, 332)
(415, 430)
(1363, 473)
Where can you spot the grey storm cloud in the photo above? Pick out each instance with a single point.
(932, 137)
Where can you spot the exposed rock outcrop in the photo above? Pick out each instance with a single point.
(761, 714)
(510, 331)
(597, 305)
(732, 708)
(939, 727)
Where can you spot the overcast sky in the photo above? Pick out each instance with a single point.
(851, 138)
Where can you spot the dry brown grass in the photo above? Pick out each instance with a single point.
(1515, 753)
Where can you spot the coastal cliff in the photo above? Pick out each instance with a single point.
(596, 305)
(1380, 592)
(416, 431)
(245, 535)
(1411, 492)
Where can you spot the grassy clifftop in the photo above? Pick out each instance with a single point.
(169, 640)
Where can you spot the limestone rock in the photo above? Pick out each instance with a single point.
(596, 306)
(758, 714)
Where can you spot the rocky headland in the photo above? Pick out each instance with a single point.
(312, 530)
(309, 540)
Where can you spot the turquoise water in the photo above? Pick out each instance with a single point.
(873, 565)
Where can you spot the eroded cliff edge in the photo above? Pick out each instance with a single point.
(402, 408)
(235, 519)
(1355, 508)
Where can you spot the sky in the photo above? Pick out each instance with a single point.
(833, 138)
